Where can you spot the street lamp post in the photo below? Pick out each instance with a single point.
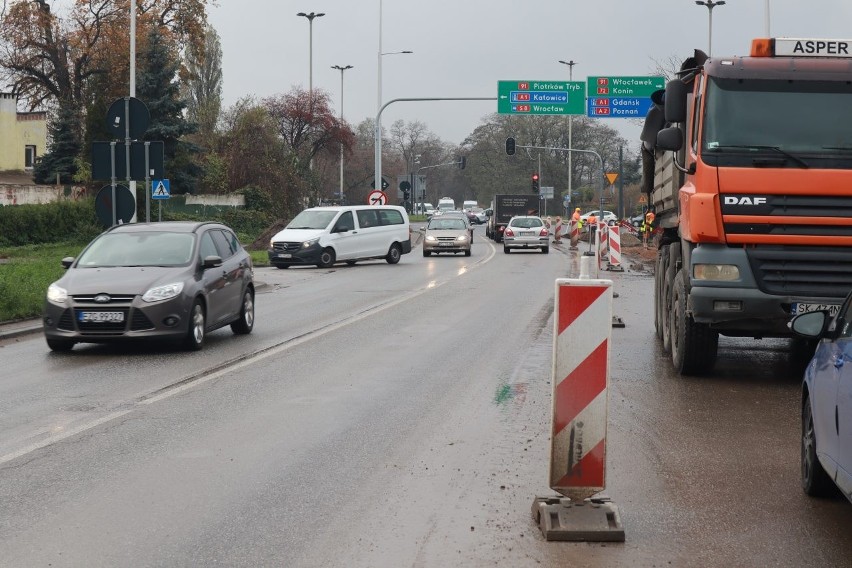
(570, 63)
(377, 180)
(310, 18)
(710, 5)
(342, 69)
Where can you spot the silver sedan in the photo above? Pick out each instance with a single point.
(526, 232)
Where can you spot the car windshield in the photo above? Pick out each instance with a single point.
(527, 223)
(312, 220)
(138, 249)
(446, 223)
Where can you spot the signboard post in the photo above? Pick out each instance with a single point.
(622, 97)
(541, 97)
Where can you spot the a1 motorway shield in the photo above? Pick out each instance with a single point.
(541, 97)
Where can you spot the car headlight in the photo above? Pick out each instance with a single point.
(57, 294)
(310, 243)
(431, 238)
(462, 238)
(161, 293)
(716, 272)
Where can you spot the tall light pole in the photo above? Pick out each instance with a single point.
(710, 5)
(310, 18)
(342, 69)
(570, 63)
(377, 180)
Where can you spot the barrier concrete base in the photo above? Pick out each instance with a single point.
(617, 322)
(593, 520)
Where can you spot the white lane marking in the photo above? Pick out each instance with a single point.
(210, 374)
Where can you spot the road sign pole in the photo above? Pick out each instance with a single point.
(112, 181)
(147, 182)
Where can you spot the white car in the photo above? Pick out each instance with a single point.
(608, 216)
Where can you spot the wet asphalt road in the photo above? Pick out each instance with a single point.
(398, 416)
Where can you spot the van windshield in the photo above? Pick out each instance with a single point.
(312, 220)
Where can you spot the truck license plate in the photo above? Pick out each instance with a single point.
(805, 307)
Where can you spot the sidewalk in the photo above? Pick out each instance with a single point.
(9, 330)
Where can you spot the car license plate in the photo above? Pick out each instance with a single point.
(527, 233)
(285, 255)
(105, 317)
(445, 244)
(805, 307)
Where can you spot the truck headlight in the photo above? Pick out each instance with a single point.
(716, 272)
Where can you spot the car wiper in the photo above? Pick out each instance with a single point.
(784, 153)
(844, 148)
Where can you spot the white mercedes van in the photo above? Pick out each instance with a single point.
(326, 235)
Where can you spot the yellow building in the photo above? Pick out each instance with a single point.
(23, 135)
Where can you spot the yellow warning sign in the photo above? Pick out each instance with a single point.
(611, 177)
(642, 198)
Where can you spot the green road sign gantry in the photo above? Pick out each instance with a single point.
(541, 97)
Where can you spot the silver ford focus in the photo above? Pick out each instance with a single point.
(173, 280)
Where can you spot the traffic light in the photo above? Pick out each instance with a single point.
(535, 187)
(510, 146)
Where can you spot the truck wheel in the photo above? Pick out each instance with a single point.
(659, 276)
(694, 345)
(668, 285)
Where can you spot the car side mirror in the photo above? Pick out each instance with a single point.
(211, 261)
(810, 325)
(67, 262)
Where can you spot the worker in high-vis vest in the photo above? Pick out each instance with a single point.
(647, 227)
(576, 217)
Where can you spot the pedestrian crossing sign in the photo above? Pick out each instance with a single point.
(160, 189)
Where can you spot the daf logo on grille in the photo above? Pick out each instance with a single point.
(744, 200)
(102, 299)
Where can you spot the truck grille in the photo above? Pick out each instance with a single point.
(773, 206)
(802, 271)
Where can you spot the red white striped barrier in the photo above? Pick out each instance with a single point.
(603, 240)
(581, 340)
(574, 233)
(614, 240)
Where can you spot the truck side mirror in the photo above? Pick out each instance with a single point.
(675, 101)
(670, 139)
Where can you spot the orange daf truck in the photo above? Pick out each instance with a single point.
(747, 162)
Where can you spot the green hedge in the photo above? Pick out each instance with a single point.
(22, 225)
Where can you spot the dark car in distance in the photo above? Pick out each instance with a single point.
(173, 280)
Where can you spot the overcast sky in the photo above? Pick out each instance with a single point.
(463, 47)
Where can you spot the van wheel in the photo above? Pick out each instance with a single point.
(326, 259)
(394, 254)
